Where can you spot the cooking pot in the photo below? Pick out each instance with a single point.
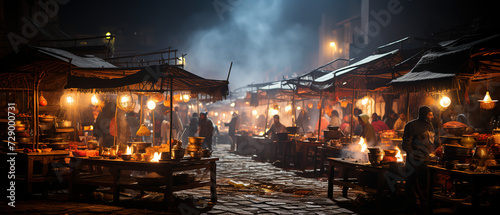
(196, 140)
(139, 146)
(45, 126)
(468, 141)
(292, 130)
(54, 139)
(333, 128)
(64, 124)
(58, 145)
(481, 154)
(375, 158)
(457, 131)
(23, 140)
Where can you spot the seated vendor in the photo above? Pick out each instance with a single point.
(276, 128)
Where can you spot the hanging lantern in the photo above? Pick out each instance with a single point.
(151, 104)
(344, 103)
(186, 97)
(487, 103)
(126, 101)
(43, 101)
(157, 97)
(445, 101)
(68, 100)
(310, 105)
(94, 100)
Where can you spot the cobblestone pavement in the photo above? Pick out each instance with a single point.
(265, 189)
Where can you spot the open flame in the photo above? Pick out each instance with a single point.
(128, 151)
(399, 157)
(156, 157)
(363, 146)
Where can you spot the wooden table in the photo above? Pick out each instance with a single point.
(476, 181)
(47, 160)
(166, 168)
(328, 151)
(303, 148)
(386, 177)
(282, 150)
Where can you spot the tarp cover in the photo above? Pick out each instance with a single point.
(442, 68)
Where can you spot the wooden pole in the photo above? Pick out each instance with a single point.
(320, 113)
(352, 115)
(171, 112)
(153, 127)
(267, 112)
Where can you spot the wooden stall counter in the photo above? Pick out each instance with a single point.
(360, 175)
(39, 167)
(165, 168)
(476, 181)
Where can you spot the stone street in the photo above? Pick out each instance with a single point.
(244, 186)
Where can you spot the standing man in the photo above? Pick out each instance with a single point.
(233, 127)
(206, 130)
(418, 139)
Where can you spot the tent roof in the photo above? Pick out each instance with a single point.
(369, 73)
(155, 78)
(452, 64)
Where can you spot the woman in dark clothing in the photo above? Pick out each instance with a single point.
(418, 140)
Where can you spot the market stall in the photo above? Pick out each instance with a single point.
(455, 78)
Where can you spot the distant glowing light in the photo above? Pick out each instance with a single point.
(364, 101)
(216, 114)
(185, 98)
(94, 100)
(288, 108)
(151, 104)
(254, 112)
(232, 104)
(70, 100)
(108, 36)
(332, 44)
(445, 101)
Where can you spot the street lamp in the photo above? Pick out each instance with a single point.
(108, 36)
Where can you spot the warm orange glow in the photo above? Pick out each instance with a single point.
(399, 157)
(332, 44)
(487, 98)
(128, 151)
(156, 157)
(362, 144)
(94, 100)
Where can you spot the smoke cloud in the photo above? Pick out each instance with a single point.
(256, 38)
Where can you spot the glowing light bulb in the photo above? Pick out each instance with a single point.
(364, 101)
(445, 101)
(70, 99)
(254, 112)
(151, 105)
(185, 98)
(94, 100)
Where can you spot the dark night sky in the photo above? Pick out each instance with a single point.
(263, 38)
